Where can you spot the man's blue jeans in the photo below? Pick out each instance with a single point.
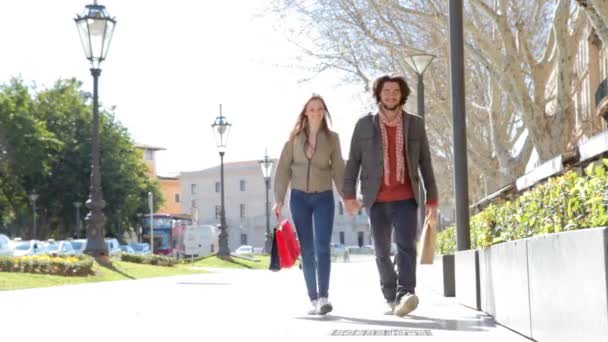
(402, 218)
(314, 239)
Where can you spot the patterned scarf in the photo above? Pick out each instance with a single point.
(398, 123)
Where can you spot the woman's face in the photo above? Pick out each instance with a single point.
(315, 111)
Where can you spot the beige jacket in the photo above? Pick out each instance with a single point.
(309, 175)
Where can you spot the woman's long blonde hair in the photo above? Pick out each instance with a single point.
(302, 122)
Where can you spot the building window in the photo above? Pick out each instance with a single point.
(193, 189)
(195, 214)
(242, 210)
(360, 238)
(342, 238)
(243, 184)
(176, 198)
(340, 208)
(217, 186)
(193, 203)
(243, 239)
(218, 211)
(149, 155)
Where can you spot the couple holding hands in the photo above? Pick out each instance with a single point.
(389, 155)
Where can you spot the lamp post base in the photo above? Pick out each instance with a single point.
(224, 251)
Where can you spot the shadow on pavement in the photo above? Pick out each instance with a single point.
(478, 323)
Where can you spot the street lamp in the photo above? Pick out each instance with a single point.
(33, 197)
(95, 27)
(78, 225)
(420, 62)
(221, 130)
(266, 165)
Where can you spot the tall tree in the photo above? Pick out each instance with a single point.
(515, 49)
(47, 134)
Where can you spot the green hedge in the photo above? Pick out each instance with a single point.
(563, 203)
(45, 264)
(151, 259)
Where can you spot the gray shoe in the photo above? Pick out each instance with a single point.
(407, 304)
(391, 308)
(325, 306)
(315, 308)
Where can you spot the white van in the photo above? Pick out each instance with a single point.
(198, 240)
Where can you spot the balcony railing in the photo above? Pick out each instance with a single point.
(601, 92)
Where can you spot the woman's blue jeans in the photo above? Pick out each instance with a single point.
(313, 216)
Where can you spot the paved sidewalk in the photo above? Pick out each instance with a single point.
(255, 305)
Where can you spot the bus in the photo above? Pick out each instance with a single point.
(168, 229)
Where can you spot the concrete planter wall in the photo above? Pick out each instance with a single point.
(503, 276)
(440, 275)
(568, 285)
(467, 278)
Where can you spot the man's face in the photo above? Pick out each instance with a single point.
(390, 95)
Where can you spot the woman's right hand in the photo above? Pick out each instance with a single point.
(276, 209)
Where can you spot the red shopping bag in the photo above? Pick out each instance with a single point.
(287, 244)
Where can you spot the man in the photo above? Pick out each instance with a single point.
(387, 151)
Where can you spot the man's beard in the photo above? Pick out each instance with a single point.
(385, 107)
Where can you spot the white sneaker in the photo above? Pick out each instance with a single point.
(391, 308)
(407, 304)
(315, 308)
(325, 306)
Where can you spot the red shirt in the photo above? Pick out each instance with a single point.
(395, 190)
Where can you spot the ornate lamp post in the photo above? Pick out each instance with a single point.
(95, 27)
(221, 130)
(266, 165)
(420, 62)
(33, 197)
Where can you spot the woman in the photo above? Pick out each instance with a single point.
(310, 160)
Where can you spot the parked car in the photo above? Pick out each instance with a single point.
(5, 246)
(338, 251)
(28, 247)
(79, 246)
(127, 249)
(113, 246)
(63, 247)
(141, 248)
(244, 249)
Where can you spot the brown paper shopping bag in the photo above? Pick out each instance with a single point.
(427, 240)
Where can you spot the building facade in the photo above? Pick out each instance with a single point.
(245, 205)
(169, 186)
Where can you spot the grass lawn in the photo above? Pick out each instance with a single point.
(261, 262)
(120, 270)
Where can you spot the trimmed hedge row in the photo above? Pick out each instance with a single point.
(150, 259)
(563, 203)
(45, 264)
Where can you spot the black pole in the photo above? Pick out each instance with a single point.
(34, 218)
(461, 183)
(267, 245)
(95, 219)
(224, 251)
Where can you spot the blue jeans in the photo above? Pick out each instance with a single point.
(314, 238)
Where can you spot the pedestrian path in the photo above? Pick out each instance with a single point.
(252, 305)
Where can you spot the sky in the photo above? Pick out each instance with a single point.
(169, 67)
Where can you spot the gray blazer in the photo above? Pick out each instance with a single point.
(365, 159)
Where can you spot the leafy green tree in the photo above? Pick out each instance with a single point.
(47, 138)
